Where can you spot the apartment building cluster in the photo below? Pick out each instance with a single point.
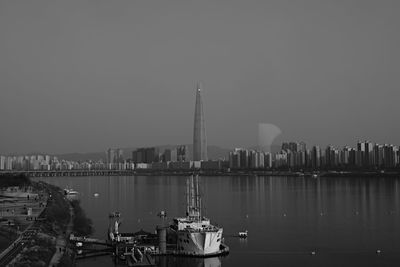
(114, 161)
(155, 154)
(292, 155)
(162, 159)
(42, 163)
(296, 155)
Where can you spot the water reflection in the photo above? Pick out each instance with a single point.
(194, 262)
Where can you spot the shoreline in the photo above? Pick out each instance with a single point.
(211, 173)
(48, 231)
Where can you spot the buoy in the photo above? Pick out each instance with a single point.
(321, 214)
(247, 216)
(284, 215)
(378, 251)
(96, 194)
(313, 252)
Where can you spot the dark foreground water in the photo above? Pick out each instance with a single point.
(345, 220)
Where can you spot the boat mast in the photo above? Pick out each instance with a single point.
(193, 198)
(192, 193)
(198, 198)
(187, 198)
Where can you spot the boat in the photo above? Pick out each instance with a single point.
(70, 192)
(195, 234)
(243, 234)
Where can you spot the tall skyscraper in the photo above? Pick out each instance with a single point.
(199, 131)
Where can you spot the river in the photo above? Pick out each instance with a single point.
(345, 221)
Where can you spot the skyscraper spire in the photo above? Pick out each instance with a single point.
(199, 131)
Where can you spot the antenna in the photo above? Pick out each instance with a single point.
(199, 86)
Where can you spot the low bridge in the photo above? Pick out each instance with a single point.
(71, 173)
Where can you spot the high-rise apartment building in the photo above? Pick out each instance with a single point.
(110, 156)
(114, 156)
(2, 162)
(182, 153)
(316, 157)
(170, 155)
(146, 155)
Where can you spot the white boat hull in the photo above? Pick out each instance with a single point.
(200, 243)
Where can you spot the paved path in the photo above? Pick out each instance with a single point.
(61, 242)
(16, 247)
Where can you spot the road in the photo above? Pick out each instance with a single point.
(11, 254)
(15, 248)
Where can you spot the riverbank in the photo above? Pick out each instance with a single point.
(38, 247)
(44, 240)
(21, 202)
(211, 172)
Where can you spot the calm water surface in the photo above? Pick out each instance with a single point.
(345, 220)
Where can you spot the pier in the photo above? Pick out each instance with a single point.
(140, 248)
(85, 240)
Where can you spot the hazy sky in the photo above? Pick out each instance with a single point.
(87, 75)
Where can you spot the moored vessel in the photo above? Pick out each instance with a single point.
(70, 192)
(195, 234)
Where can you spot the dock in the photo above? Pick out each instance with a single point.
(140, 248)
(86, 240)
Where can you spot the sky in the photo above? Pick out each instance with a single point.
(81, 76)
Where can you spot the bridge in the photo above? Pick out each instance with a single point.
(58, 173)
(43, 173)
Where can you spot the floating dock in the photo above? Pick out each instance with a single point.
(139, 248)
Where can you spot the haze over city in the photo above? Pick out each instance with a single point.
(81, 76)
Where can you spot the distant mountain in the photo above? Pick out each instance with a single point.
(95, 156)
(274, 148)
(214, 153)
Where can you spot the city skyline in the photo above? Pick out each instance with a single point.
(366, 155)
(84, 76)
